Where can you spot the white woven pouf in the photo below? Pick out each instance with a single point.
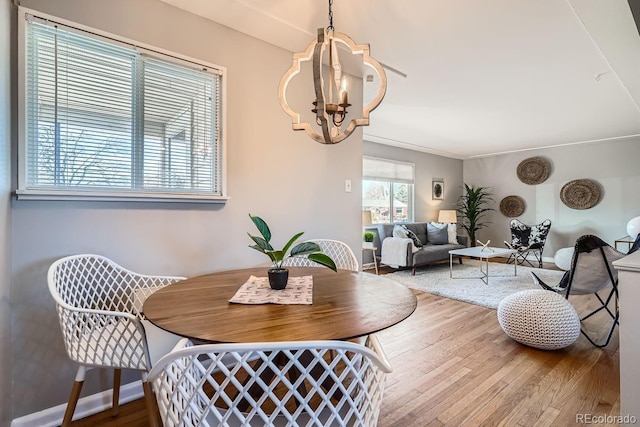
(539, 318)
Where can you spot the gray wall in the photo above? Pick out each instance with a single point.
(614, 165)
(428, 167)
(7, 29)
(294, 183)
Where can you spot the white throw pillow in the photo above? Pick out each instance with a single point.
(453, 234)
(398, 231)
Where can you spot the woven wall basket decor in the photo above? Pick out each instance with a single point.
(512, 206)
(580, 194)
(534, 170)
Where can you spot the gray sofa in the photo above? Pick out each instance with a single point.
(406, 258)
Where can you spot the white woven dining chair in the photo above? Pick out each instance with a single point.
(299, 383)
(339, 252)
(99, 308)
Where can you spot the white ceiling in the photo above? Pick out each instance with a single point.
(482, 77)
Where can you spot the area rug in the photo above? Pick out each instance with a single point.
(468, 287)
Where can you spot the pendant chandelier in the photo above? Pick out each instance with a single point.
(331, 104)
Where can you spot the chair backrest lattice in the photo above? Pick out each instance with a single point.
(96, 282)
(339, 252)
(99, 308)
(290, 383)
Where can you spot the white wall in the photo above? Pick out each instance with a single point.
(7, 31)
(614, 165)
(294, 183)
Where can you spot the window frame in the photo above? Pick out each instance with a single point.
(164, 195)
(391, 182)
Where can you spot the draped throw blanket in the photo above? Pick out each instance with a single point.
(394, 251)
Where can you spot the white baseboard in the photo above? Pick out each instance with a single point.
(87, 406)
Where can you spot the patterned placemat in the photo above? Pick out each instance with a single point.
(256, 290)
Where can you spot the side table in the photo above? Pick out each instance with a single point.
(624, 240)
(373, 250)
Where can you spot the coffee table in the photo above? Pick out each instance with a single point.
(483, 253)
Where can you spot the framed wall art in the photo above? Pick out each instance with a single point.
(437, 190)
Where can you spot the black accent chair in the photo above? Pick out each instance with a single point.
(591, 272)
(635, 246)
(527, 239)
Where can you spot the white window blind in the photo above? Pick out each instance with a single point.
(387, 170)
(102, 117)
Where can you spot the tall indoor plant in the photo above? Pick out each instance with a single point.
(278, 275)
(471, 207)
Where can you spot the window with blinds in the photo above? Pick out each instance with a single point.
(106, 118)
(387, 190)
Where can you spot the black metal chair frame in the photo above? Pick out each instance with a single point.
(523, 251)
(586, 244)
(635, 246)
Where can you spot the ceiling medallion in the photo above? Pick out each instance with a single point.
(332, 100)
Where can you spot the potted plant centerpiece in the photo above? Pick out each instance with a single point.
(278, 275)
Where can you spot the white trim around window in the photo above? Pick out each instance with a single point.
(102, 117)
(380, 179)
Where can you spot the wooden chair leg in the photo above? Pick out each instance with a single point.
(115, 402)
(152, 405)
(73, 401)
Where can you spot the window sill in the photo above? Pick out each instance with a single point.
(118, 197)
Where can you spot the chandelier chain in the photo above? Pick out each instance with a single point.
(330, 27)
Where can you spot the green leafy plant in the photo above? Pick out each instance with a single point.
(472, 206)
(312, 250)
(369, 236)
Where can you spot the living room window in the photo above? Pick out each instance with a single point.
(387, 190)
(105, 118)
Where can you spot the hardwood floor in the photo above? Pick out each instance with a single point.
(454, 366)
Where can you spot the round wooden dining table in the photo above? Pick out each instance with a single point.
(346, 305)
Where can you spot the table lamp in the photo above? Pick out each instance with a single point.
(447, 216)
(366, 218)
